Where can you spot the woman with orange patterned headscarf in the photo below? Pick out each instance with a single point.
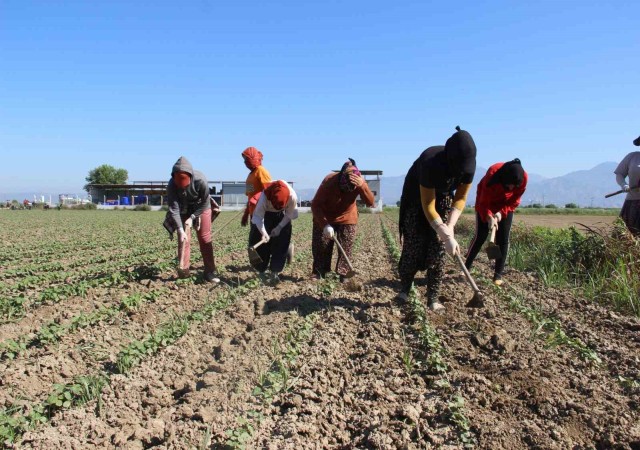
(256, 180)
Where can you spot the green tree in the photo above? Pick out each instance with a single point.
(106, 174)
(571, 206)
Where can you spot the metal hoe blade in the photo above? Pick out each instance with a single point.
(493, 251)
(254, 257)
(477, 301)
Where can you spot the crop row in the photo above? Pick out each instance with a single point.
(430, 355)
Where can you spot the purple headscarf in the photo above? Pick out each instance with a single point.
(344, 182)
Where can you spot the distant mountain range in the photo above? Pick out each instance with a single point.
(584, 187)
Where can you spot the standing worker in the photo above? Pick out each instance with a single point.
(271, 223)
(629, 168)
(256, 180)
(427, 218)
(498, 196)
(189, 206)
(335, 214)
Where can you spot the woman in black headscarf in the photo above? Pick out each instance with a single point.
(433, 197)
(498, 196)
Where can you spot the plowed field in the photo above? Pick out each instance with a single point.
(102, 347)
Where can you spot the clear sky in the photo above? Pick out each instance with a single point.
(138, 83)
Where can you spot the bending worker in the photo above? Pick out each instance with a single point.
(628, 178)
(498, 196)
(335, 215)
(271, 223)
(433, 197)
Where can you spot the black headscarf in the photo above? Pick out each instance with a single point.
(461, 155)
(636, 141)
(510, 173)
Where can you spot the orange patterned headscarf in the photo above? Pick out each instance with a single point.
(278, 194)
(252, 157)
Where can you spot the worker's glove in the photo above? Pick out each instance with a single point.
(182, 236)
(197, 223)
(454, 215)
(265, 235)
(625, 188)
(446, 237)
(498, 216)
(328, 232)
(245, 218)
(276, 231)
(188, 223)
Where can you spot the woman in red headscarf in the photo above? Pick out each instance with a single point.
(276, 207)
(189, 206)
(498, 196)
(256, 180)
(335, 215)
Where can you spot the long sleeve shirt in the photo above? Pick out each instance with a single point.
(264, 205)
(630, 167)
(330, 205)
(493, 199)
(256, 180)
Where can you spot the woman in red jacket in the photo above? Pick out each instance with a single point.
(498, 196)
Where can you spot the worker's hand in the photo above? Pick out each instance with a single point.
(328, 232)
(493, 221)
(356, 180)
(245, 218)
(625, 188)
(198, 223)
(188, 223)
(276, 231)
(454, 215)
(446, 237)
(498, 216)
(182, 236)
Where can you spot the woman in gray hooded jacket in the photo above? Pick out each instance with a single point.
(190, 206)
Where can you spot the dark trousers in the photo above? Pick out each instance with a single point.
(274, 252)
(502, 240)
(322, 248)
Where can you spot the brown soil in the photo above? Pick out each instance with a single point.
(349, 385)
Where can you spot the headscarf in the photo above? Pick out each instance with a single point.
(510, 173)
(278, 194)
(252, 158)
(461, 155)
(344, 182)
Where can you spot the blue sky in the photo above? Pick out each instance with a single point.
(136, 84)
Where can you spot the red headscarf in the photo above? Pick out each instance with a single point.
(181, 179)
(278, 194)
(252, 157)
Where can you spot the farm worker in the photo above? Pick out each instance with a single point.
(277, 206)
(189, 206)
(429, 210)
(628, 177)
(256, 180)
(335, 215)
(498, 196)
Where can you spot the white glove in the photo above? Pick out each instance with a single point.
(328, 232)
(454, 215)
(276, 231)
(445, 234)
(188, 222)
(265, 236)
(498, 216)
(182, 236)
(198, 223)
(625, 188)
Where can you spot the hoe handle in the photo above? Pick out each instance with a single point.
(614, 193)
(346, 258)
(467, 274)
(492, 238)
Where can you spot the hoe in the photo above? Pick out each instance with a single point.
(477, 301)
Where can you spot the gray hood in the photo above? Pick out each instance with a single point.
(182, 165)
